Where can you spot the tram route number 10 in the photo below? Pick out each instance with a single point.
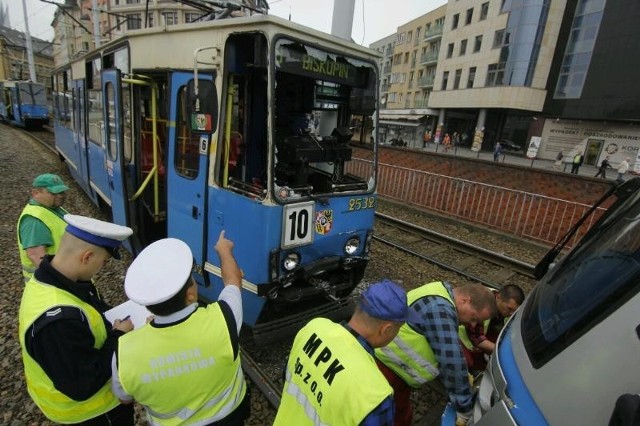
(297, 226)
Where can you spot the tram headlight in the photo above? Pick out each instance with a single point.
(352, 245)
(291, 261)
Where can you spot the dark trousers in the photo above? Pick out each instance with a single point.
(122, 415)
(602, 172)
(575, 167)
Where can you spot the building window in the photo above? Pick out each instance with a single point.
(409, 36)
(463, 47)
(445, 80)
(456, 80)
(495, 75)
(477, 44)
(134, 21)
(498, 38)
(418, 34)
(456, 18)
(170, 18)
(450, 50)
(471, 78)
(577, 55)
(406, 58)
(469, 16)
(193, 17)
(484, 11)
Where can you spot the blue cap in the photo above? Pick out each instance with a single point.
(97, 232)
(386, 300)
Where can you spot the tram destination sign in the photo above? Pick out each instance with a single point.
(310, 62)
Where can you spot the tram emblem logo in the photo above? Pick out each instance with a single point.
(324, 221)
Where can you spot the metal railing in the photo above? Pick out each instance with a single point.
(523, 214)
(431, 56)
(433, 32)
(426, 81)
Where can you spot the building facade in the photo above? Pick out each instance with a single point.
(407, 80)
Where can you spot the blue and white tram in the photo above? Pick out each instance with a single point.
(240, 124)
(23, 103)
(573, 347)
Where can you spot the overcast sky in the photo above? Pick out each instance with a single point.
(381, 17)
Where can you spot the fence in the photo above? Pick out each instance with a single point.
(523, 214)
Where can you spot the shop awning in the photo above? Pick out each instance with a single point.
(411, 117)
(399, 123)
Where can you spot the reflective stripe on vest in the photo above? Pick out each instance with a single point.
(37, 299)
(300, 397)
(56, 226)
(196, 356)
(187, 413)
(409, 355)
(331, 378)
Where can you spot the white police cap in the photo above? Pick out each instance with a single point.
(159, 272)
(97, 232)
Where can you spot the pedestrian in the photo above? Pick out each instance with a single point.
(456, 139)
(66, 341)
(41, 223)
(204, 383)
(426, 138)
(446, 142)
(430, 347)
(558, 163)
(623, 168)
(602, 170)
(479, 341)
(577, 162)
(497, 151)
(331, 375)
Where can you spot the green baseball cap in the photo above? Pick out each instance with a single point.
(52, 183)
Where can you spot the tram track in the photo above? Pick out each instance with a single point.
(471, 261)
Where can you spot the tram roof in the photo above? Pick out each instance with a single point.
(172, 47)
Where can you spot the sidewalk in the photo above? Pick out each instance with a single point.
(518, 158)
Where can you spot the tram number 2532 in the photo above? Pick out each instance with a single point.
(297, 224)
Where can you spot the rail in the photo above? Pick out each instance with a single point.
(523, 214)
(476, 263)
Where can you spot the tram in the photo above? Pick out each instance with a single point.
(23, 103)
(243, 124)
(571, 350)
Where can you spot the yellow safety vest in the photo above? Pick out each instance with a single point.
(330, 379)
(409, 354)
(184, 373)
(464, 337)
(37, 299)
(56, 225)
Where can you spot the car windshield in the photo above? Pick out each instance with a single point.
(594, 279)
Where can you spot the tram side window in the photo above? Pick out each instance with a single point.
(95, 120)
(112, 146)
(63, 97)
(187, 160)
(244, 133)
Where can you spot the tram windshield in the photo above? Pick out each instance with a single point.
(596, 278)
(32, 94)
(324, 102)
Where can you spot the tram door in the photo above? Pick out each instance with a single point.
(186, 172)
(80, 133)
(114, 135)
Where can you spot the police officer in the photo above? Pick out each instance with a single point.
(67, 343)
(331, 375)
(183, 366)
(41, 222)
(430, 347)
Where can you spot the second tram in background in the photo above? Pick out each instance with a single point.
(240, 124)
(24, 103)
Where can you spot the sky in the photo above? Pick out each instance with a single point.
(381, 17)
